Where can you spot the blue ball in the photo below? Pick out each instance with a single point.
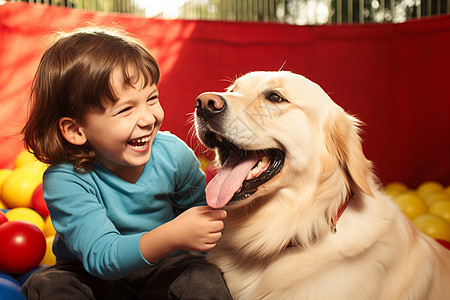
(24, 277)
(10, 288)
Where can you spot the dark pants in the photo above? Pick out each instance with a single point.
(178, 276)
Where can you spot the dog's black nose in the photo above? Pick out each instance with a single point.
(209, 104)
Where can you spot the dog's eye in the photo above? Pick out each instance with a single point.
(275, 97)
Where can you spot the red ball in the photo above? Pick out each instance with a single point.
(3, 218)
(38, 202)
(22, 248)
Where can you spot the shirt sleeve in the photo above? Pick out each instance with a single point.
(82, 222)
(189, 179)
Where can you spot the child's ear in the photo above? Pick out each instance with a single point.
(71, 131)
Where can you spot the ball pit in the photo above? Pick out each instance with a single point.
(26, 230)
(427, 206)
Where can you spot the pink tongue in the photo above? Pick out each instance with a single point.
(228, 180)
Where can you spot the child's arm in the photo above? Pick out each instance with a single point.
(197, 229)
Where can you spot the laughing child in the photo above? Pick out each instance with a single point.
(126, 200)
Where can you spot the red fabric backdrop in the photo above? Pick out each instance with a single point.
(394, 77)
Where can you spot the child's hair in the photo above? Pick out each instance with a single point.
(74, 76)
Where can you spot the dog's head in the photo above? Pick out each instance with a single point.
(274, 130)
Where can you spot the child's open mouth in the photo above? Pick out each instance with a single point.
(139, 143)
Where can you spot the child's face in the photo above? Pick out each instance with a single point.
(123, 134)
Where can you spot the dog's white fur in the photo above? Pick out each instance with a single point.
(278, 244)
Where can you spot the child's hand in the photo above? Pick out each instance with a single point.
(198, 229)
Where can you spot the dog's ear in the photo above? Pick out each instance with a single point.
(345, 142)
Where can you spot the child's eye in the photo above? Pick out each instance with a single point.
(126, 109)
(152, 99)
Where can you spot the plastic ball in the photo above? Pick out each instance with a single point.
(3, 218)
(3, 205)
(395, 188)
(441, 209)
(24, 158)
(432, 198)
(203, 162)
(49, 258)
(23, 246)
(4, 173)
(25, 276)
(26, 214)
(429, 187)
(433, 226)
(48, 230)
(411, 205)
(8, 276)
(38, 202)
(19, 187)
(10, 289)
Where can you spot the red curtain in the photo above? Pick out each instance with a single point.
(394, 77)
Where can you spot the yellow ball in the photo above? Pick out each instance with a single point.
(49, 257)
(48, 230)
(411, 205)
(204, 162)
(25, 214)
(433, 226)
(24, 158)
(441, 209)
(429, 187)
(397, 186)
(3, 205)
(4, 173)
(393, 193)
(19, 186)
(432, 198)
(447, 190)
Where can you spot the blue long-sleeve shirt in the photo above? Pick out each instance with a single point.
(100, 218)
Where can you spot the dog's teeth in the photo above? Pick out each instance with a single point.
(219, 138)
(262, 165)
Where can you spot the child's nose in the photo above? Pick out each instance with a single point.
(146, 118)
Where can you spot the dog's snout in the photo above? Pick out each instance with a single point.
(208, 104)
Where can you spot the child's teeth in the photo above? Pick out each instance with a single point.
(140, 142)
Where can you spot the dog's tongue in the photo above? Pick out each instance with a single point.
(228, 180)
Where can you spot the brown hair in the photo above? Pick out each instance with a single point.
(74, 76)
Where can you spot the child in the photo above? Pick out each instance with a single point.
(124, 198)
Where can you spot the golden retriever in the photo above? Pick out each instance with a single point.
(306, 217)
